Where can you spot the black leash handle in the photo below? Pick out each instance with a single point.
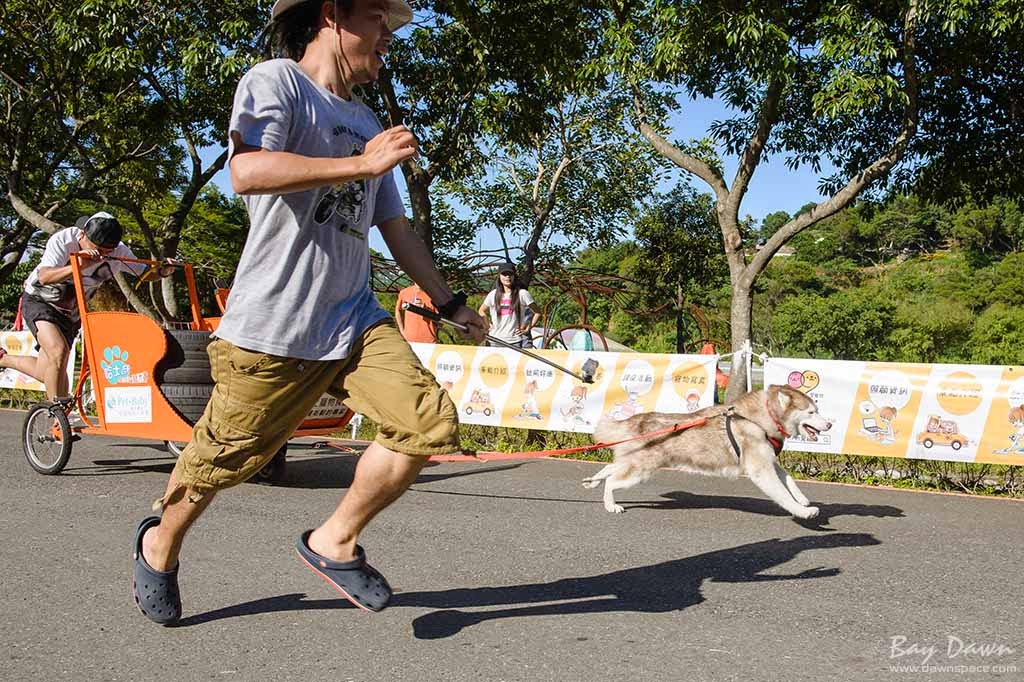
(587, 378)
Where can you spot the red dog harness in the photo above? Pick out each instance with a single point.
(776, 444)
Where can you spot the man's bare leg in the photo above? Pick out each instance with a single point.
(381, 477)
(161, 544)
(49, 367)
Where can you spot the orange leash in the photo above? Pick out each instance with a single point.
(489, 456)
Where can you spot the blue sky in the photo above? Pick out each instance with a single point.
(774, 186)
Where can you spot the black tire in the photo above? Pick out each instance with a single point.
(956, 445)
(186, 361)
(927, 442)
(274, 470)
(44, 451)
(187, 375)
(188, 400)
(188, 340)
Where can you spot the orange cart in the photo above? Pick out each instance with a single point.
(139, 379)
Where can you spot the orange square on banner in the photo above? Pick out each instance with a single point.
(885, 408)
(1003, 439)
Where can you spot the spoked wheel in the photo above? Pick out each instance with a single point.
(273, 471)
(175, 447)
(88, 399)
(46, 437)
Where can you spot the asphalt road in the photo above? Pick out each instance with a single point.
(509, 571)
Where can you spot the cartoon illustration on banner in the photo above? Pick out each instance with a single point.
(500, 387)
(532, 389)
(687, 387)
(964, 413)
(577, 406)
(488, 387)
(636, 381)
(887, 399)
(1002, 441)
(953, 410)
(826, 383)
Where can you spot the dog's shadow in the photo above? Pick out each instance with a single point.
(681, 499)
(668, 586)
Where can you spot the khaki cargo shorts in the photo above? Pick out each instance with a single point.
(259, 400)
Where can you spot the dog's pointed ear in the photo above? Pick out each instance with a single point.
(781, 398)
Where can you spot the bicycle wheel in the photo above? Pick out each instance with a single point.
(46, 437)
(88, 407)
(273, 471)
(175, 447)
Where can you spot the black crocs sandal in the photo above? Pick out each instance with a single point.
(156, 592)
(356, 580)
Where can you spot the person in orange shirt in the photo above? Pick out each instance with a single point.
(415, 328)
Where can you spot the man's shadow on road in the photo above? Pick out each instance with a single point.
(307, 467)
(337, 471)
(668, 586)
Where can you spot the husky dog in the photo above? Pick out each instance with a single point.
(744, 437)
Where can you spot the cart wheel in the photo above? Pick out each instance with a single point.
(273, 471)
(175, 447)
(46, 437)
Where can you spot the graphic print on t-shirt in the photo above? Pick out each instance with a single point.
(505, 307)
(346, 201)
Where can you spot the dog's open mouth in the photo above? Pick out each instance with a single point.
(812, 433)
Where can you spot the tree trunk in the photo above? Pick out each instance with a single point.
(680, 320)
(417, 179)
(418, 183)
(12, 250)
(740, 324)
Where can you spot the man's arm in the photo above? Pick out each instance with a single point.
(53, 275)
(412, 256)
(255, 170)
(55, 264)
(400, 315)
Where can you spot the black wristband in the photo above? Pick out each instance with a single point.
(449, 309)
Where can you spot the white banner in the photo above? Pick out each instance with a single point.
(960, 413)
(500, 387)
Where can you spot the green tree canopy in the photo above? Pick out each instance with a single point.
(848, 83)
(108, 102)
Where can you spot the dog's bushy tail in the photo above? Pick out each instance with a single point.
(609, 430)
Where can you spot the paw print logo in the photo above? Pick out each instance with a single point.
(115, 365)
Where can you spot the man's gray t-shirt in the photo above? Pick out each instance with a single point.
(302, 285)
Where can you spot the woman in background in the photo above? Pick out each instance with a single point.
(509, 304)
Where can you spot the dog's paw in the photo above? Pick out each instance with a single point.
(587, 483)
(808, 513)
(615, 508)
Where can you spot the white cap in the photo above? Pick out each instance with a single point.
(399, 11)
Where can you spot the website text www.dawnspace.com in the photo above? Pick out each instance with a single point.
(960, 668)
